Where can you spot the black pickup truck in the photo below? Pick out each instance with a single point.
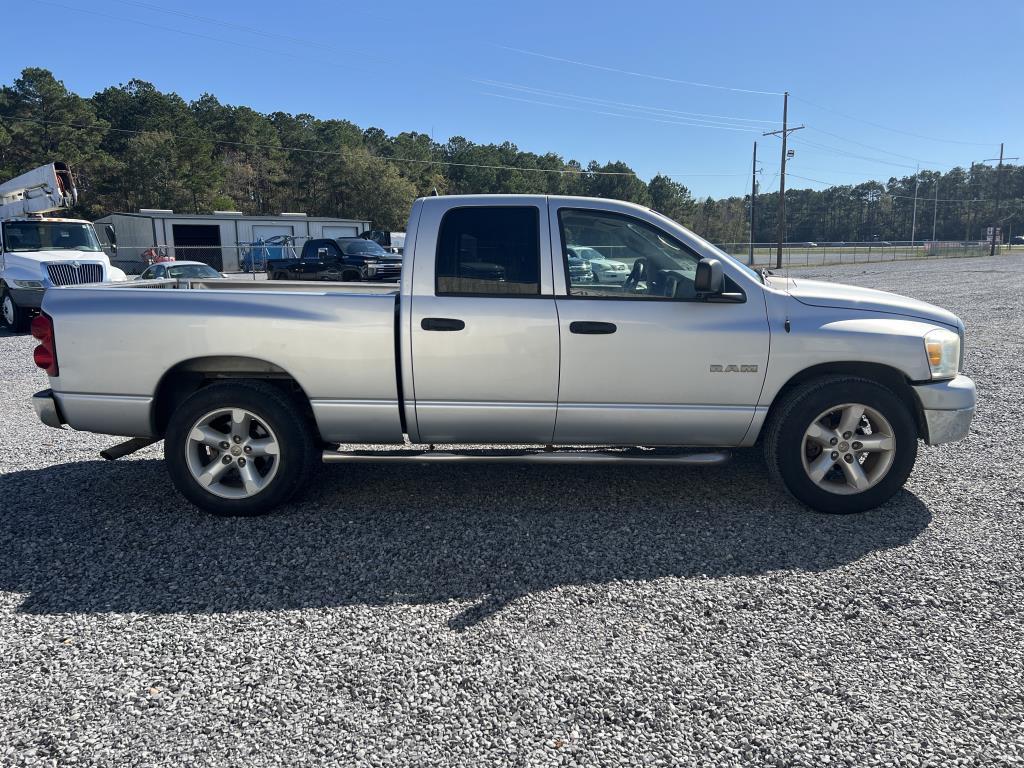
(349, 259)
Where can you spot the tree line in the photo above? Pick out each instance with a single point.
(132, 146)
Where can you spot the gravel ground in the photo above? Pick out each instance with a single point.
(499, 615)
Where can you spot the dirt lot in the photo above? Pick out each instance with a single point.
(497, 615)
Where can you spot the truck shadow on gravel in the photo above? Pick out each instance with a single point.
(115, 537)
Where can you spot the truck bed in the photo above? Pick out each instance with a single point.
(118, 342)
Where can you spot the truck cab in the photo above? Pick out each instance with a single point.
(37, 251)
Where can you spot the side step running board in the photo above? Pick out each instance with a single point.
(705, 459)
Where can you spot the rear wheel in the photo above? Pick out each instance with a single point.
(239, 448)
(14, 317)
(842, 445)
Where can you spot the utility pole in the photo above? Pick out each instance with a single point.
(786, 130)
(935, 209)
(970, 202)
(913, 222)
(753, 203)
(999, 194)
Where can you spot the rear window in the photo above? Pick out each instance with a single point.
(485, 251)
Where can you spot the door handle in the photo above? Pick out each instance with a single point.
(591, 327)
(441, 324)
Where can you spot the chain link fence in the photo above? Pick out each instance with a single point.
(254, 258)
(240, 258)
(825, 254)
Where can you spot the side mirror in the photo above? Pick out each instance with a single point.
(321, 253)
(111, 237)
(709, 278)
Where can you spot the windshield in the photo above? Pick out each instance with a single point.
(583, 252)
(363, 248)
(49, 236)
(192, 270)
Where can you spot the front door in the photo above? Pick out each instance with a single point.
(485, 334)
(644, 361)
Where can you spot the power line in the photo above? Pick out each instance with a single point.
(650, 119)
(871, 146)
(357, 64)
(893, 130)
(618, 104)
(646, 75)
(334, 153)
(845, 153)
(816, 181)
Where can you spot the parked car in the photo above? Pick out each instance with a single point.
(348, 259)
(580, 270)
(180, 270)
(838, 383)
(604, 270)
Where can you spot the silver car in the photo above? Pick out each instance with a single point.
(605, 270)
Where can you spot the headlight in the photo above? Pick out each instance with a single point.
(943, 350)
(27, 284)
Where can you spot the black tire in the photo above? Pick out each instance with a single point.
(351, 276)
(784, 441)
(298, 454)
(20, 315)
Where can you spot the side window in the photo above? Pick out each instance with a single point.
(485, 251)
(328, 249)
(614, 255)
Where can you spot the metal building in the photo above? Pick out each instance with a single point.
(220, 239)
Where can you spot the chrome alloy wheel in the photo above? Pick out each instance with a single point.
(848, 449)
(232, 453)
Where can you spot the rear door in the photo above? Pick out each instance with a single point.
(483, 325)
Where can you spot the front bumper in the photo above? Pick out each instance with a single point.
(29, 298)
(948, 408)
(47, 409)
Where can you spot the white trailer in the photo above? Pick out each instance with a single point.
(38, 251)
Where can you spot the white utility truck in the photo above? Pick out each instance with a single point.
(38, 251)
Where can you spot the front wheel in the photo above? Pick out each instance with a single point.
(842, 445)
(239, 448)
(13, 316)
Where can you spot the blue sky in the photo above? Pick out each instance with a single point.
(881, 86)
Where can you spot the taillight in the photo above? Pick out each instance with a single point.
(45, 354)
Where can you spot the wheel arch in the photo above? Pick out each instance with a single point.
(886, 375)
(189, 376)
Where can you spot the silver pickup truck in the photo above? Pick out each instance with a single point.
(670, 353)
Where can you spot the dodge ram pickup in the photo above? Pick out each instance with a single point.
(488, 340)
